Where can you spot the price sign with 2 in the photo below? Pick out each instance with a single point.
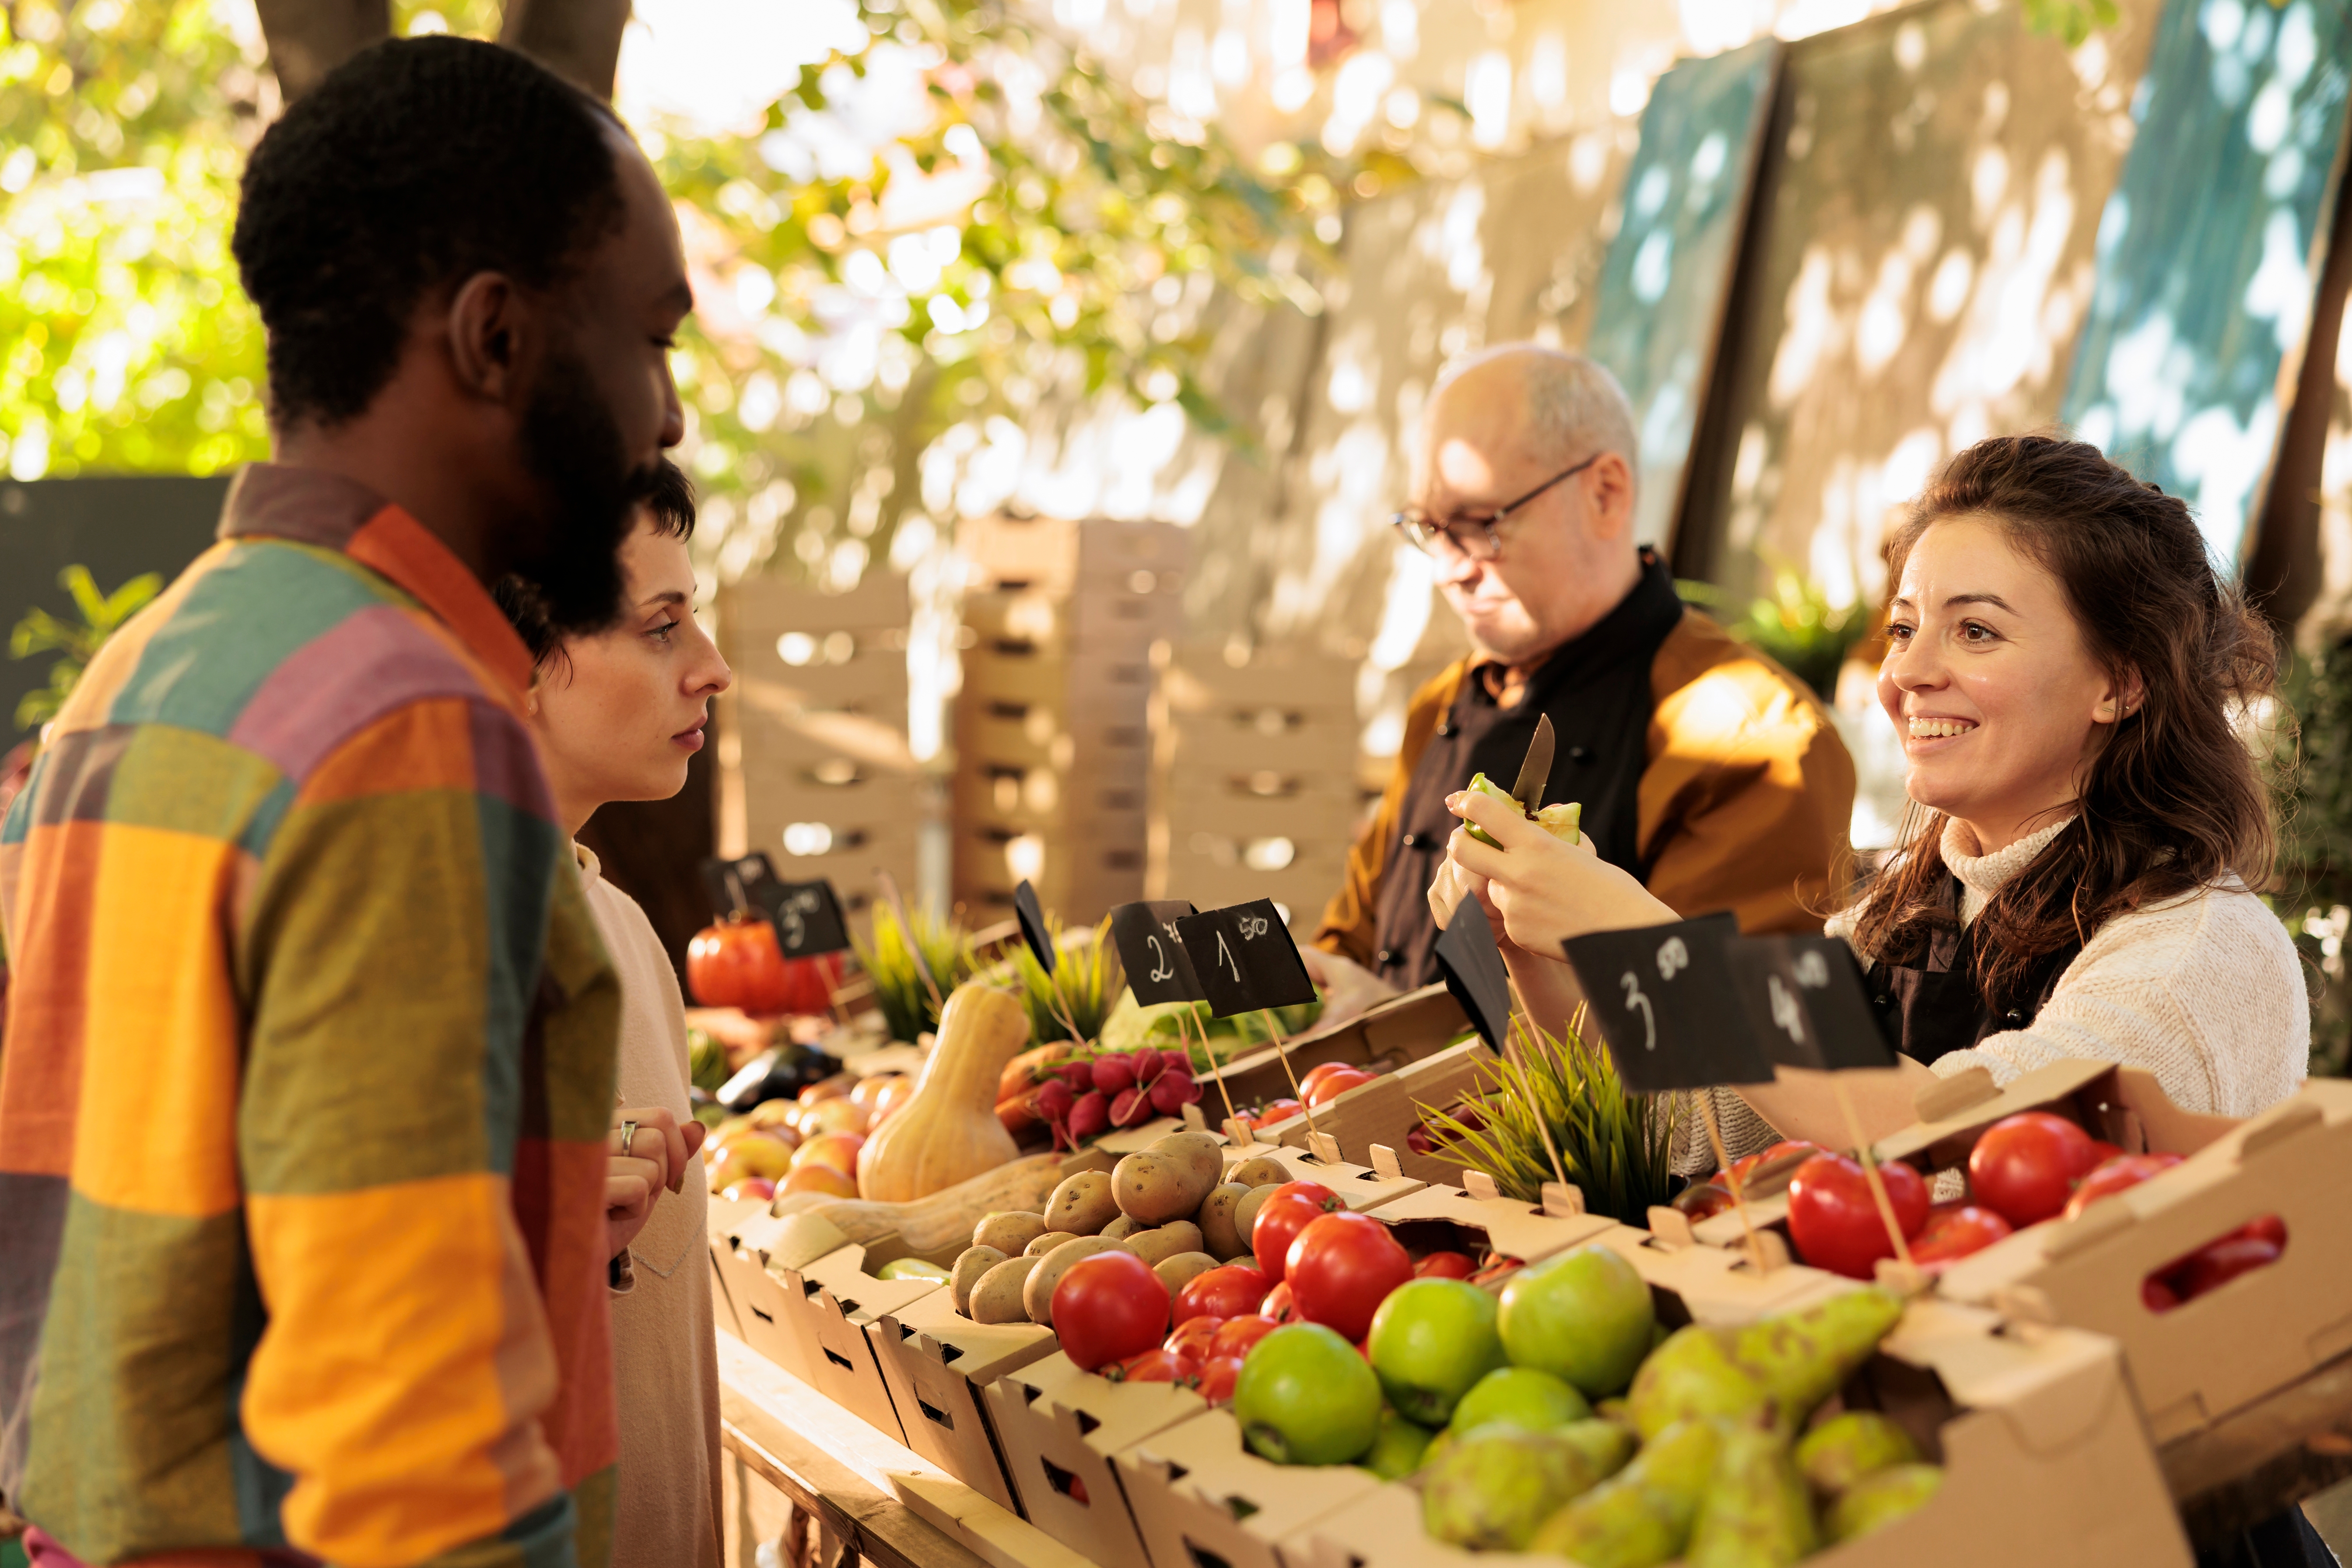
(1157, 968)
(1244, 959)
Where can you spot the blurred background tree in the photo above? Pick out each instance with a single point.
(946, 212)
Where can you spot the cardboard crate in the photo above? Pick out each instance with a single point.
(1361, 1187)
(1057, 1429)
(1199, 1496)
(935, 1361)
(2236, 1344)
(1370, 1123)
(829, 1304)
(2044, 1464)
(1403, 1029)
(1439, 1218)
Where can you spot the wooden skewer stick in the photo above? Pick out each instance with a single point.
(1870, 1171)
(1215, 1069)
(1706, 1098)
(1282, 1050)
(1518, 1056)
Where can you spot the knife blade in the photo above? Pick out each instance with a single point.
(1535, 771)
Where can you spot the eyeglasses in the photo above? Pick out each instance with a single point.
(1478, 535)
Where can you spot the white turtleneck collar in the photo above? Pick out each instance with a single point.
(1983, 876)
(590, 869)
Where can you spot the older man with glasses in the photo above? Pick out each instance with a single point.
(1703, 767)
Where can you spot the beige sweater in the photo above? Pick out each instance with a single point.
(666, 1361)
(2204, 991)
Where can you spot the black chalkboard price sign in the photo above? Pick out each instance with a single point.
(1663, 998)
(806, 915)
(1805, 1000)
(1244, 959)
(730, 883)
(1473, 968)
(1158, 968)
(1032, 916)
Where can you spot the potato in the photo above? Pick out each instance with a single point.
(1216, 1220)
(1009, 1231)
(1245, 1211)
(1037, 1291)
(997, 1297)
(1182, 1268)
(1122, 1228)
(1168, 1180)
(1047, 1242)
(1206, 1152)
(1082, 1204)
(975, 1262)
(1164, 1241)
(1260, 1171)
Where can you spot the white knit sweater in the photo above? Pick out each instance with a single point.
(2205, 991)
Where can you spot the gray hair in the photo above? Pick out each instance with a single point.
(1575, 407)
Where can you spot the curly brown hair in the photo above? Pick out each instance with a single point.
(2172, 800)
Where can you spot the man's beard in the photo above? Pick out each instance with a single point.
(573, 447)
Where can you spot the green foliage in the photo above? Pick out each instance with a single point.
(906, 1002)
(2073, 21)
(77, 642)
(2313, 782)
(1804, 631)
(1612, 1144)
(125, 342)
(1086, 985)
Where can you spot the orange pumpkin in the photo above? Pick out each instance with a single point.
(735, 963)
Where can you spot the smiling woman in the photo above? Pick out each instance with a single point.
(2066, 669)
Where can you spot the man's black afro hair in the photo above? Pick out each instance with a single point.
(415, 164)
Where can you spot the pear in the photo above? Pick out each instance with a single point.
(1757, 1513)
(1492, 1487)
(1642, 1515)
(1844, 1448)
(1878, 1500)
(1692, 1376)
(1802, 1358)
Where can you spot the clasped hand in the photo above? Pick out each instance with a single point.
(658, 1155)
(1536, 890)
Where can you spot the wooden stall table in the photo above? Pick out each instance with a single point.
(870, 1498)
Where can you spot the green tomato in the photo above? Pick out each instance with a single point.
(1306, 1397)
(1429, 1342)
(1520, 1396)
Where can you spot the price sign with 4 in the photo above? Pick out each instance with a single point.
(1805, 998)
(1244, 958)
(1157, 966)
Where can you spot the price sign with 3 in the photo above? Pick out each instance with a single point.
(1662, 998)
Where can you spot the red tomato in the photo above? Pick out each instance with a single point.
(2270, 1228)
(1337, 1084)
(1341, 1267)
(2157, 1295)
(2211, 1267)
(1834, 1221)
(1445, 1266)
(1746, 1167)
(1272, 1111)
(1704, 1200)
(1162, 1365)
(1278, 1304)
(2122, 1170)
(1229, 1291)
(2024, 1166)
(1217, 1377)
(1107, 1308)
(1955, 1232)
(1193, 1337)
(1315, 1074)
(2101, 1152)
(1238, 1334)
(1283, 1215)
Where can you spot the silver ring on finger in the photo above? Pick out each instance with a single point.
(628, 1135)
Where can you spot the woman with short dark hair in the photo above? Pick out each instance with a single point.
(2068, 674)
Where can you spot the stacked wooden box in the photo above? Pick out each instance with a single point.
(828, 787)
(1254, 776)
(1053, 745)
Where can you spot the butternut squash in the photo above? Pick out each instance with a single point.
(948, 1131)
(940, 1226)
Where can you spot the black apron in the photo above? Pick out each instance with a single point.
(1596, 690)
(1934, 1008)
